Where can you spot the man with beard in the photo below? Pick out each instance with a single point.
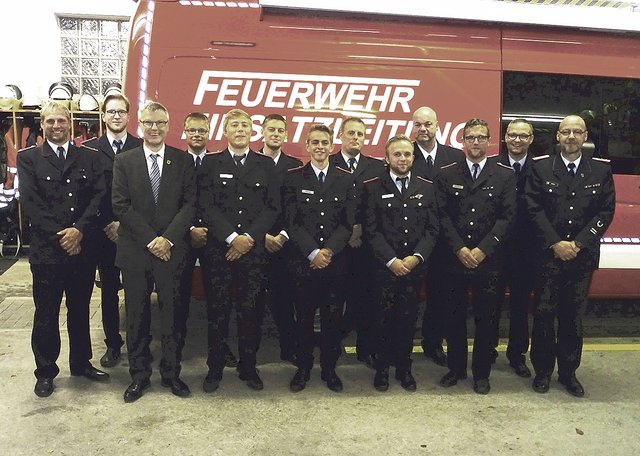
(477, 203)
(402, 228)
(115, 115)
(571, 199)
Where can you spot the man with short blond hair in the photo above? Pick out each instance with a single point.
(238, 201)
(61, 187)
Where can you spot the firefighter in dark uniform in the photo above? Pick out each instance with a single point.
(196, 129)
(115, 115)
(571, 199)
(61, 187)
(402, 228)
(429, 157)
(238, 201)
(277, 292)
(357, 314)
(319, 209)
(519, 267)
(477, 203)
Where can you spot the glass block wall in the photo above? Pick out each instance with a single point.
(93, 52)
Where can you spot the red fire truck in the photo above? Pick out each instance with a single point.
(317, 66)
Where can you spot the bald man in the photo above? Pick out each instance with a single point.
(571, 199)
(429, 157)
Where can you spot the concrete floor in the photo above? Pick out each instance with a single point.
(83, 418)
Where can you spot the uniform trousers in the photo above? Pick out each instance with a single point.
(276, 294)
(397, 310)
(321, 289)
(358, 313)
(138, 286)
(521, 281)
(484, 287)
(110, 278)
(434, 310)
(562, 294)
(243, 277)
(50, 281)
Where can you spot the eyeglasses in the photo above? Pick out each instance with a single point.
(575, 132)
(521, 136)
(200, 131)
(150, 123)
(120, 112)
(480, 138)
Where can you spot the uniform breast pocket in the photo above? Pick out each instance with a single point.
(552, 190)
(257, 185)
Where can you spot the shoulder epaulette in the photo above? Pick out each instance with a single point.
(290, 170)
(373, 179)
(603, 160)
(425, 179)
(492, 156)
(27, 148)
(211, 152)
(505, 166)
(89, 147)
(343, 170)
(540, 157)
(447, 166)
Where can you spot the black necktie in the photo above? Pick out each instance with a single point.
(476, 169)
(117, 143)
(352, 164)
(517, 167)
(572, 169)
(238, 159)
(429, 162)
(403, 183)
(198, 161)
(60, 151)
(321, 177)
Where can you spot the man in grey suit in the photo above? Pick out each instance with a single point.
(154, 199)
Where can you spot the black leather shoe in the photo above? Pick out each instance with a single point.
(299, 380)
(211, 381)
(381, 380)
(333, 381)
(178, 387)
(521, 369)
(494, 356)
(253, 380)
(541, 383)
(368, 360)
(436, 355)
(230, 360)
(44, 387)
(136, 390)
(111, 357)
(482, 386)
(91, 373)
(572, 385)
(451, 379)
(406, 380)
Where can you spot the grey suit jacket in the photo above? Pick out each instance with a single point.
(141, 220)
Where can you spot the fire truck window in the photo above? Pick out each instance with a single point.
(609, 106)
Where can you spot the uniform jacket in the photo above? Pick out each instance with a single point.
(445, 155)
(141, 220)
(521, 245)
(106, 157)
(398, 225)
(318, 215)
(577, 208)
(367, 168)
(237, 199)
(285, 163)
(478, 213)
(56, 197)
